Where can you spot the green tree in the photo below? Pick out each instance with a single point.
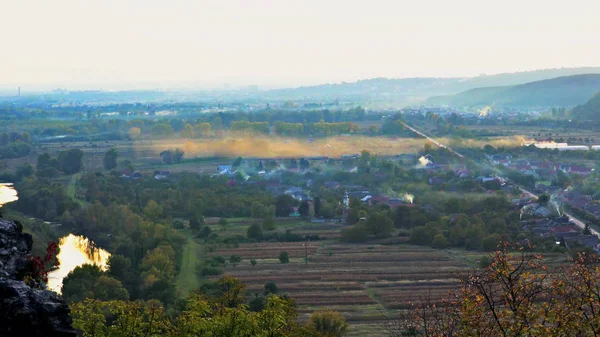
(379, 225)
(327, 323)
(439, 241)
(355, 234)
(188, 131)
(284, 257)
(110, 159)
(153, 211)
(88, 281)
(268, 223)
(255, 232)
(235, 260)
(420, 236)
(70, 161)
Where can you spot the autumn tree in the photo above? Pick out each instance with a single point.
(110, 159)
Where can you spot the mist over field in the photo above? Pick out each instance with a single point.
(281, 147)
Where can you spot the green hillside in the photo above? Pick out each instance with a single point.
(561, 91)
(589, 110)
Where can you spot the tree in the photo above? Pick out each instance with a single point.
(284, 204)
(172, 157)
(327, 323)
(317, 203)
(543, 199)
(88, 281)
(268, 223)
(271, 288)
(284, 257)
(255, 232)
(162, 130)
(237, 162)
(110, 159)
(70, 161)
(304, 164)
(355, 234)
(490, 243)
(304, 208)
(420, 236)
(135, 132)
(379, 225)
(153, 210)
(235, 259)
(196, 222)
(439, 241)
(188, 131)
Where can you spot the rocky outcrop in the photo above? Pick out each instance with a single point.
(26, 311)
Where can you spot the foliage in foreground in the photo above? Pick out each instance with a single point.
(223, 315)
(515, 295)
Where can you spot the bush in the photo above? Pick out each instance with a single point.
(271, 288)
(489, 243)
(284, 257)
(355, 234)
(235, 259)
(439, 241)
(420, 236)
(484, 262)
(255, 232)
(204, 232)
(177, 224)
(209, 271)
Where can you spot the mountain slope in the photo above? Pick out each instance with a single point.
(418, 89)
(560, 91)
(588, 111)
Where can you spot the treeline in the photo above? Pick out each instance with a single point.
(14, 145)
(473, 223)
(145, 255)
(223, 312)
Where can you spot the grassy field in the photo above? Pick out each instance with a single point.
(187, 280)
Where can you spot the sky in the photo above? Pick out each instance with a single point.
(127, 44)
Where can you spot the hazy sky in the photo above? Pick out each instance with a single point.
(121, 44)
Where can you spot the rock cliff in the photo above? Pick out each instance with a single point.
(26, 311)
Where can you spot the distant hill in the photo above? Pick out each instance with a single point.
(417, 90)
(561, 91)
(589, 110)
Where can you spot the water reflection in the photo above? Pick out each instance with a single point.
(7, 194)
(74, 252)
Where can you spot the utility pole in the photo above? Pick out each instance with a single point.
(306, 251)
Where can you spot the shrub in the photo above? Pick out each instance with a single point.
(284, 257)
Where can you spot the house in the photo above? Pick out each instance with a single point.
(359, 195)
(294, 212)
(137, 175)
(436, 181)
(161, 174)
(462, 173)
(331, 185)
(575, 169)
(126, 174)
(224, 169)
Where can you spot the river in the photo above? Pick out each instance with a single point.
(7, 194)
(74, 250)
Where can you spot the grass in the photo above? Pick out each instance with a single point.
(72, 188)
(187, 279)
